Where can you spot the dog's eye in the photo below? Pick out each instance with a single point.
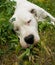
(17, 29)
(29, 21)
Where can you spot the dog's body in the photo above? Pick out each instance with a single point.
(26, 20)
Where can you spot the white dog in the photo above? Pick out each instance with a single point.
(25, 21)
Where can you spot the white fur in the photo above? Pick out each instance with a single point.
(23, 15)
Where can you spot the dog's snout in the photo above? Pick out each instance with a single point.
(29, 39)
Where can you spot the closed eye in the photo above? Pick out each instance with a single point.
(17, 29)
(29, 21)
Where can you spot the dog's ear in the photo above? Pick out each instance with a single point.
(34, 12)
(12, 19)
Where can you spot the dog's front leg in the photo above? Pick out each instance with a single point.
(40, 13)
(44, 14)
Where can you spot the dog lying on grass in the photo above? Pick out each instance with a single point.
(25, 20)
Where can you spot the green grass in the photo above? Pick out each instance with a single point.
(11, 53)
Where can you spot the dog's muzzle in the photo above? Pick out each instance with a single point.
(29, 39)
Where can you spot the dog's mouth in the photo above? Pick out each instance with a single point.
(28, 43)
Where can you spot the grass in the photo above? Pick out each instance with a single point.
(11, 53)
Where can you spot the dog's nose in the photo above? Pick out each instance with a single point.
(29, 39)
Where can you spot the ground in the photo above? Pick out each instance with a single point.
(11, 53)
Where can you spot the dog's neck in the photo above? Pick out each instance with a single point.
(20, 1)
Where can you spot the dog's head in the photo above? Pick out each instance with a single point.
(26, 27)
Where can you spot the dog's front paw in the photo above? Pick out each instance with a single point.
(53, 21)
